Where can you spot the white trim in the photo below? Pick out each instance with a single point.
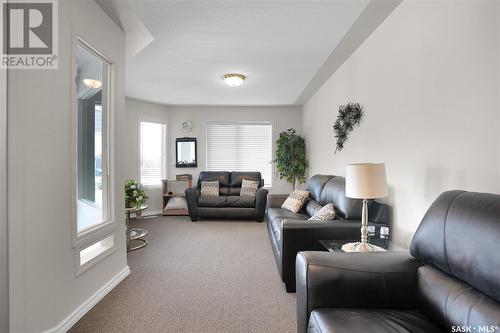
(4, 228)
(85, 307)
(96, 232)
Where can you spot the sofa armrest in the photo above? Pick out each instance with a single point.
(260, 203)
(192, 195)
(358, 280)
(304, 235)
(276, 200)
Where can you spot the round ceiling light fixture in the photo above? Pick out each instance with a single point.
(234, 79)
(91, 83)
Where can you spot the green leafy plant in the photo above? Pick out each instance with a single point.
(135, 196)
(291, 162)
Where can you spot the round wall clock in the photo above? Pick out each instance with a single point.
(186, 126)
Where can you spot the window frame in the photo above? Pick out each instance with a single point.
(245, 122)
(84, 238)
(145, 119)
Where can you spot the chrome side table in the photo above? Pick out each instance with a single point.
(135, 234)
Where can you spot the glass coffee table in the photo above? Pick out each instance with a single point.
(135, 234)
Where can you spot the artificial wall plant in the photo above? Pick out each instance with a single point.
(290, 159)
(349, 116)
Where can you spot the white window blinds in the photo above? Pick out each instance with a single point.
(240, 147)
(153, 157)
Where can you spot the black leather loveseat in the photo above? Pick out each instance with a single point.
(449, 283)
(229, 203)
(290, 233)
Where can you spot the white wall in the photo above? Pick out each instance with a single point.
(45, 293)
(4, 264)
(137, 111)
(282, 118)
(428, 79)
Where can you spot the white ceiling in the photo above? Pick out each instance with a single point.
(278, 45)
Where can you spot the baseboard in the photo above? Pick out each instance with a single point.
(76, 315)
(153, 212)
(150, 213)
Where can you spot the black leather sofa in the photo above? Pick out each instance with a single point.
(290, 233)
(449, 283)
(229, 203)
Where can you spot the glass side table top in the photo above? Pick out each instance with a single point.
(335, 245)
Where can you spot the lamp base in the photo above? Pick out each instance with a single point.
(361, 247)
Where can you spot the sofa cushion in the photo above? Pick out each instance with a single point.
(282, 214)
(452, 302)
(315, 185)
(334, 192)
(222, 176)
(459, 235)
(240, 201)
(237, 177)
(249, 188)
(210, 201)
(296, 201)
(312, 207)
(332, 320)
(210, 188)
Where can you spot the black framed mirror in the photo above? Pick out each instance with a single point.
(186, 153)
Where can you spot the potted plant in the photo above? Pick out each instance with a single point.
(135, 196)
(290, 159)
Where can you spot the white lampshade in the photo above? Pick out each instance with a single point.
(365, 181)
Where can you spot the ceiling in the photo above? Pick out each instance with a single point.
(278, 45)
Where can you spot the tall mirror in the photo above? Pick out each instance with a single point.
(185, 152)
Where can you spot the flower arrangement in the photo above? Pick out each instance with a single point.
(135, 196)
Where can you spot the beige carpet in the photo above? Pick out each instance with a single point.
(207, 276)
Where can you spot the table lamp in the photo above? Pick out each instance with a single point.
(364, 181)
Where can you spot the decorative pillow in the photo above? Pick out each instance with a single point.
(296, 200)
(249, 188)
(325, 213)
(210, 189)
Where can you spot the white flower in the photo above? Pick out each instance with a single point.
(139, 197)
(135, 192)
(133, 187)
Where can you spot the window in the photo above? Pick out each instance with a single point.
(92, 139)
(242, 146)
(153, 157)
(98, 248)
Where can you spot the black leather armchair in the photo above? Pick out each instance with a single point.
(291, 233)
(451, 279)
(229, 203)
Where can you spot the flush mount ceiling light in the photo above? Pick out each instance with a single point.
(95, 84)
(234, 79)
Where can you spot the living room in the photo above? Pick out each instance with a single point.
(299, 166)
